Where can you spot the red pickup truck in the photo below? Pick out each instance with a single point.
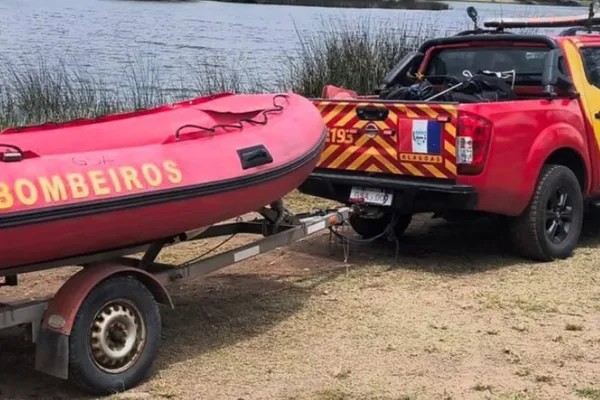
(484, 122)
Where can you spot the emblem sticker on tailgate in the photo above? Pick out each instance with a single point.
(424, 142)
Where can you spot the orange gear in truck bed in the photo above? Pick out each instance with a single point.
(357, 144)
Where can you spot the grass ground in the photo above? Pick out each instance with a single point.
(455, 317)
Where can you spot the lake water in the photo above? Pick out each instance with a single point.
(104, 36)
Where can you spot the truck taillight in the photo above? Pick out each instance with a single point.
(472, 143)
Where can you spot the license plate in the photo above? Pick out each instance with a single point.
(371, 196)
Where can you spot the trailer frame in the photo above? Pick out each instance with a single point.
(52, 323)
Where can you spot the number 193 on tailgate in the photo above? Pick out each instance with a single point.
(371, 196)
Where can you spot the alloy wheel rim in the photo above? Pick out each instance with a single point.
(559, 215)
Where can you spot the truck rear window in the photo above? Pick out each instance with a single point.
(528, 62)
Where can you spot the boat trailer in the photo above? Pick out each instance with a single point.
(101, 329)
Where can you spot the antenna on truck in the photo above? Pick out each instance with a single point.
(591, 13)
(472, 13)
(474, 16)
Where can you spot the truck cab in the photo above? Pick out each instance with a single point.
(486, 122)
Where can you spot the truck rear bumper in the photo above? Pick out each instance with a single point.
(410, 194)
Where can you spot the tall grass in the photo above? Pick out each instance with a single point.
(45, 92)
(343, 53)
(350, 54)
(60, 92)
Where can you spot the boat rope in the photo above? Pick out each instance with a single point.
(388, 232)
(237, 125)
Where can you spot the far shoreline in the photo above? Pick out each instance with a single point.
(428, 5)
(555, 3)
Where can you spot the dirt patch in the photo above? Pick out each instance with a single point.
(454, 317)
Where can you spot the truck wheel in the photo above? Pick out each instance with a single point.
(114, 337)
(368, 228)
(549, 228)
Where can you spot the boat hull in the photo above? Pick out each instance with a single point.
(112, 198)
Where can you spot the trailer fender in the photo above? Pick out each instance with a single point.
(52, 348)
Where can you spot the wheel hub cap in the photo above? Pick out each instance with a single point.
(117, 336)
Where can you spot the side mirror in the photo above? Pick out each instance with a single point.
(552, 77)
(399, 74)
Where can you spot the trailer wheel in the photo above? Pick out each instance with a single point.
(368, 228)
(115, 336)
(550, 227)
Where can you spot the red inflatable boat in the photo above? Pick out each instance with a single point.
(91, 185)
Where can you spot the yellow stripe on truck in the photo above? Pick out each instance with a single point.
(333, 113)
(427, 110)
(449, 148)
(349, 151)
(450, 167)
(436, 172)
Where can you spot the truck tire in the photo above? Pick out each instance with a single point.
(115, 337)
(368, 228)
(550, 226)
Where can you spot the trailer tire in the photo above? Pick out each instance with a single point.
(118, 315)
(540, 232)
(368, 228)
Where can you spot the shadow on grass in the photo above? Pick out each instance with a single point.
(21, 381)
(435, 246)
(449, 248)
(210, 313)
(222, 309)
(590, 235)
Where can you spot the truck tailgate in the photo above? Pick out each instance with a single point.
(409, 139)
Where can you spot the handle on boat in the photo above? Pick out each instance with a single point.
(254, 156)
(372, 113)
(11, 154)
